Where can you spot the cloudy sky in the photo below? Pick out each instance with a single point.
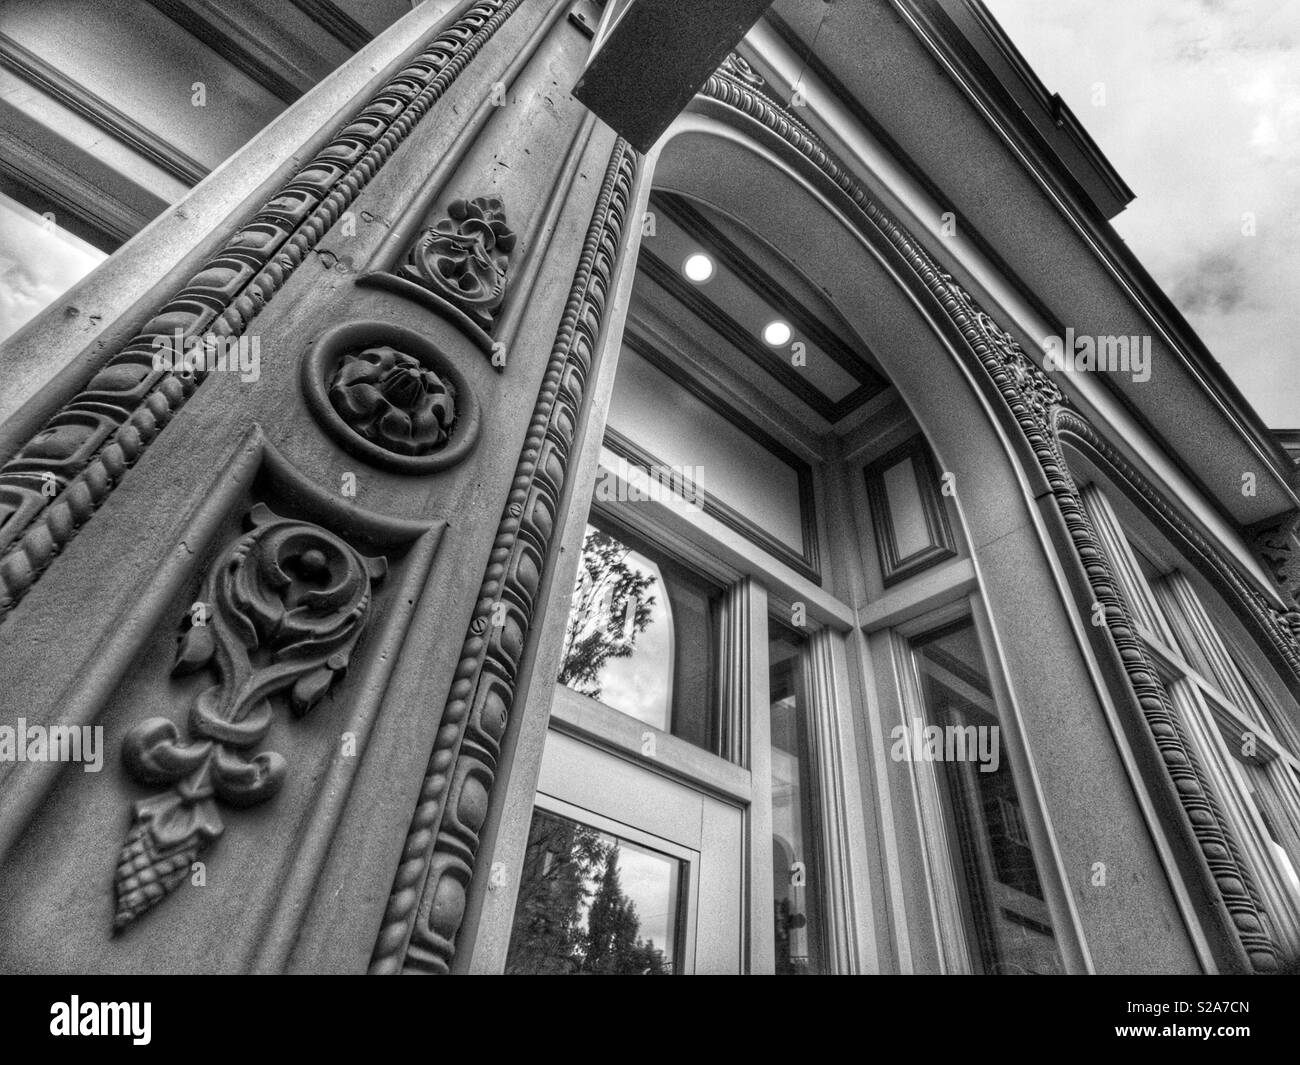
(38, 262)
(1199, 111)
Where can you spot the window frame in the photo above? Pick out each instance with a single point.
(951, 921)
(688, 887)
(1164, 617)
(757, 587)
(806, 562)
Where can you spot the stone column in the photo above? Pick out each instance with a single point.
(275, 545)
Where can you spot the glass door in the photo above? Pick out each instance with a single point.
(634, 859)
(626, 872)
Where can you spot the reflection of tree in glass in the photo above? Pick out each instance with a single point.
(599, 628)
(562, 859)
(612, 946)
(787, 962)
(571, 871)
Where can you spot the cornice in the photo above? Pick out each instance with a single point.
(1195, 363)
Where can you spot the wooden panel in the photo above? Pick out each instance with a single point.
(912, 532)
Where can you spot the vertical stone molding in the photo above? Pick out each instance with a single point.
(824, 702)
(427, 902)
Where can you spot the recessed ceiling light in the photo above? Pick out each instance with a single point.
(777, 334)
(698, 268)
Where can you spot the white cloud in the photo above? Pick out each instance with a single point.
(38, 263)
(1202, 119)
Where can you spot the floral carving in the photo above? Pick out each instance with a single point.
(464, 257)
(393, 400)
(283, 608)
(1275, 546)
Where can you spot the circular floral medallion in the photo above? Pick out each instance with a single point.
(391, 399)
(389, 395)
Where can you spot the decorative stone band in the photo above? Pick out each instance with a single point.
(1280, 627)
(1038, 406)
(427, 903)
(54, 484)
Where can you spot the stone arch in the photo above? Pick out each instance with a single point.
(938, 344)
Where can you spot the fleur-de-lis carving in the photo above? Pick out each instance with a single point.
(287, 602)
(465, 256)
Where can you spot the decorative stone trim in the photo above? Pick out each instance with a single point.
(464, 258)
(288, 601)
(391, 396)
(427, 903)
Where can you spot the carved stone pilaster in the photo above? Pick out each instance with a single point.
(427, 903)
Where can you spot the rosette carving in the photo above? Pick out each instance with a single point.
(393, 400)
(287, 602)
(465, 256)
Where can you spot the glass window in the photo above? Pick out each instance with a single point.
(38, 263)
(642, 637)
(1010, 930)
(796, 865)
(591, 903)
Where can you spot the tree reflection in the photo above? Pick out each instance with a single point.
(611, 607)
(572, 916)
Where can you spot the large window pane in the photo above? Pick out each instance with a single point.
(1009, 927)
(591, 903)
(796, 864)
(642, 637)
